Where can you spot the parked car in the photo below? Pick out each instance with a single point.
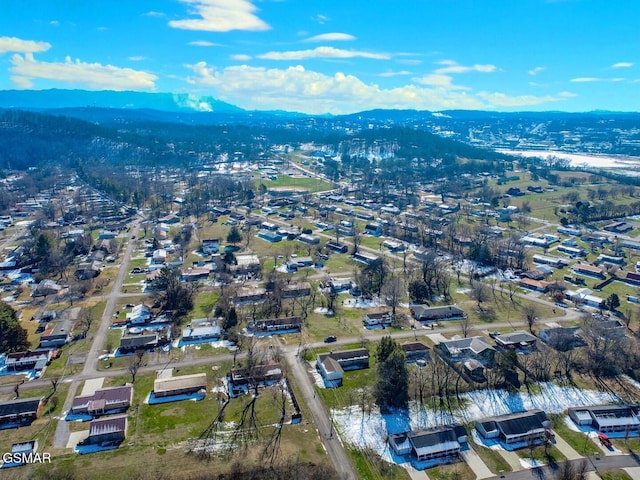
(330, 339)
(604, 440)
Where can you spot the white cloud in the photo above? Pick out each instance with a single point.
(321, 19)
(221, 16)
(153, 14)
(497, 99)
(409, 61)
(54, 23)
(204, 43)
(322, 52)
(331, 37)
(622, 65)
(450, 66)
(13, 44)
(595, 79)
(298, 89)
(137, 58)
(89, 75)
(394, 74)
(439, 80)
(241, 57)
(536, 70)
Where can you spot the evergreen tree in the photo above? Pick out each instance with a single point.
(392, 388)
(13, 337)
(234, 235)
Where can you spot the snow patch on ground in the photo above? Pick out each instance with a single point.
(531, 463)
(370, 429)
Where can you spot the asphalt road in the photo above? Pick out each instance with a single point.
(593, 464)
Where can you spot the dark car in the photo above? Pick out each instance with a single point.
(330, 339)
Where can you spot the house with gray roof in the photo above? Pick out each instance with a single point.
(441, 442)
(426, 314)
(516, 430)
(461, 349)
(607, 418)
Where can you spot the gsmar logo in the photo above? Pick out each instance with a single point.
(23, 458)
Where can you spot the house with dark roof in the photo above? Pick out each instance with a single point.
(441, 442)
(518, 340)
(132, 343)
(424, 313)
(20, 412)
(275, 326)
(107, 431)
(468, 348)
(57, 336)
(245, 296)
(415, 351)
(516, 430)
(104, 401)
(607, 418)
(243, 378)
(332, 365)
(366, 258)
(377, 319)
(30, 360)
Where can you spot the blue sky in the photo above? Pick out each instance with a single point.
(334, 56)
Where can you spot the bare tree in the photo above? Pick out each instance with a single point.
(480, 293)
(85, 320)
(465, 326)
(393, 292)
(135, 362)
(529, 314)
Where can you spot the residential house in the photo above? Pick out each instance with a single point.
(377, 319)
(139, 315)
(562, 338)
(104, 401)
(332, 365)
(270, 236)
(474, 369)
(87, 270)
(572, 251)
(46, 288)
(584, 296)
(20, 412)
(618, 227)
(159, 256)
(201, 329)
(133, 343)
(241, 379)
(416, 351)
(210, 246)
(374, 229)
(22, 453)
(607, 418)
(465, 348)
(364, 257)
(195, 274)
(516, 429)
(275, 326)
(518, 340)
(294, 263)
(337, 247)
(182, 385)
(246, 264)
(535, 285)
(426, 314)
(296, 290)
(555, 262)
(393, 246)
(338, 285)
(588, 270)
(609, 260)
(30, 360)
(245, 296)
(107, 431)
(57, 336)
(441, 442)
(309, 239)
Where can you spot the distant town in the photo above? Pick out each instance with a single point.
(382, 295)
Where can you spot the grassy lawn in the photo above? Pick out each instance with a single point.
(492, 459)
(369, 465)
(577, 440)
(311, 184)
(459, 470)
(538, 453)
